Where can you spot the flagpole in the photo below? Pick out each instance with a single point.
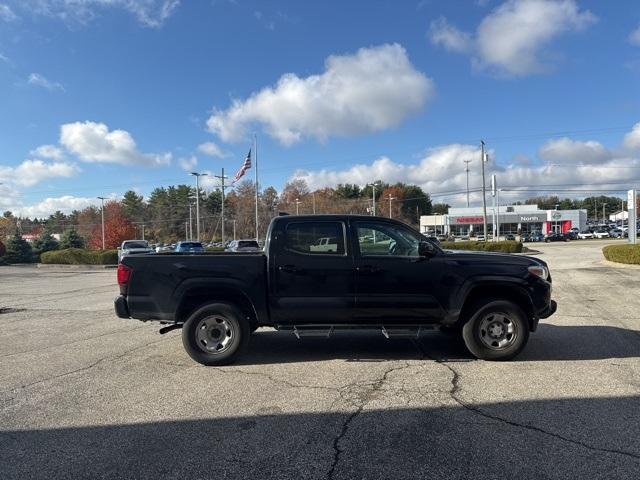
(255, 151)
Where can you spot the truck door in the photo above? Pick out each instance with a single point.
(312, 274)
(393, 284)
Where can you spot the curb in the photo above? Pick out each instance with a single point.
(75, 267)
(609, 263)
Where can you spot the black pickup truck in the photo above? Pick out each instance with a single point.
(322, 273)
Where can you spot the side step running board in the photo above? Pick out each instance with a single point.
(326, 331)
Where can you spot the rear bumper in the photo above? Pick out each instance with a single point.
(121, 307)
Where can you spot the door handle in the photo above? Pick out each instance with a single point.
(366, 269)
(288, 268)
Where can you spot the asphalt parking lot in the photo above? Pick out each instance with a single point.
(84, 394)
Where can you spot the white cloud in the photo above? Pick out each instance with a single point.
(30, 172)
(6, 13)
(632, 139)
(48, 151)
(446, 35)
(374, 89)
(93, 142)
(211, 149)
(442, 169)
(634, 37)
(150, 13)
(41, 81)
(572, 151)
(46, 207)
(514, 38)
(188, 164)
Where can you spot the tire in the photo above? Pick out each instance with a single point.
(216, 334)
(509, 324)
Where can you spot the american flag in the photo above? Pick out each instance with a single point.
(243, 169)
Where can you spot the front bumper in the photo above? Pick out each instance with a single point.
(550, 310)
(121, 307)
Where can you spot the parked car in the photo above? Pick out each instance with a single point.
(601, 234)
(189, 247)
(243, 246)
(480, 238)
(493, 300)
(129, 247)
(585, 235)
(570, 235)
(616, 233)
(510, 237)
(555, 237)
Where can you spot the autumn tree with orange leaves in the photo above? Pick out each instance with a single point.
(117, 228)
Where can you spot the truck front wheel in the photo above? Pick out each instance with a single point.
(497, 331)
(215, 334)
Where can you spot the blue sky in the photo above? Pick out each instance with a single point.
(120, 94)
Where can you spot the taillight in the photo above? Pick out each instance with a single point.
(124, 274)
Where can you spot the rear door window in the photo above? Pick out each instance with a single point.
(315, 238)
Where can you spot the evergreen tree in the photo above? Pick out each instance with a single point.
(71, 239)
(18, 250)
(45, 242)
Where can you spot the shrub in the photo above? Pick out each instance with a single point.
(18, 250)
(214, 249)
(622, 253)
(505, 246)
(78, 256)
(3, 249)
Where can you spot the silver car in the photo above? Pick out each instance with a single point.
(133, 246)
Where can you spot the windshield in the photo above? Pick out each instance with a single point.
(137, 244)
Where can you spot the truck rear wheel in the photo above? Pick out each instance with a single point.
(216, 334)
(497, 331)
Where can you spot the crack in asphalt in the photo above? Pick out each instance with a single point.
(275, 380)
(375, 386)
(85, 368)
(455, 389)
(69, 343)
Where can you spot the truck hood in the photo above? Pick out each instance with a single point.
(493, 257)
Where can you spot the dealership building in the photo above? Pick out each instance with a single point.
(515, 219)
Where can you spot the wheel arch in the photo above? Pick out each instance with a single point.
(196, 297)
(497, 291)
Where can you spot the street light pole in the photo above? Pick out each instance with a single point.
(604, 218)
(390, 200)
(222, 177)
(143, 231)
(102, 199)
(234, 228)
(198, 175)
(466, 169)
(483, 159)
(298, 206)
(190, 221)
(373, 187)
(557, 205)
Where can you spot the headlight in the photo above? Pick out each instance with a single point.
(539, 271)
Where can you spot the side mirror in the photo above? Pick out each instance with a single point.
(426, 249)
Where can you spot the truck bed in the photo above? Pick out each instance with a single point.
(158, 282)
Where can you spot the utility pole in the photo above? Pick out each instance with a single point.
(142, 231)
(313, 196)
(222, 177)
(373, 186)
(186, 231)
(556, 229)
(234, 228)
(604, 218)
(198, 175)
(102, 199)
(622, 219)
(494, 186)
(190, 219)
(255, 153)
(483, 159)
(298, 202)
(466, 169)
(390, 198)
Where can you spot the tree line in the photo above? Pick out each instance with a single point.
(163, 216)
